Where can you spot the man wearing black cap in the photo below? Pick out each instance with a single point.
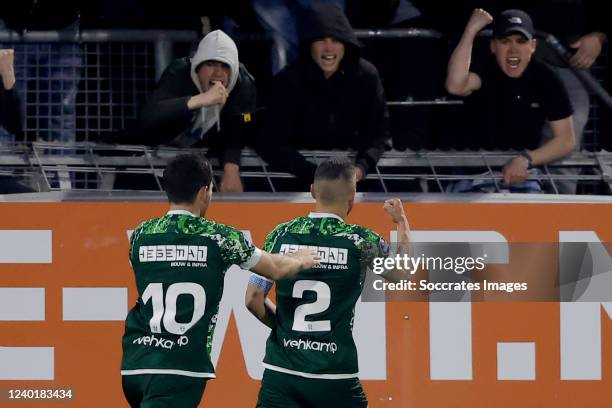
(330, 98)
(514, 95)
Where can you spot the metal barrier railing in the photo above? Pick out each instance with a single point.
(89, 166)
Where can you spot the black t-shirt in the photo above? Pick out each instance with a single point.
(509, 113)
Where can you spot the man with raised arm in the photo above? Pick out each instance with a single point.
(510, 95)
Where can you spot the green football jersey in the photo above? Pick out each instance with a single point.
(179, 261)
(315, 309)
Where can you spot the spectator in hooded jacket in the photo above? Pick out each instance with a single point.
(205, 101)
(329, 98)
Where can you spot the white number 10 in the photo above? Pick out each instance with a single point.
(156, 291)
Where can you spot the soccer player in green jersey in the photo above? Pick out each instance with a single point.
(311, 358)
(179, 261)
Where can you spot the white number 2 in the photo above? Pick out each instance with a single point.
(156, 291)
(320, 305)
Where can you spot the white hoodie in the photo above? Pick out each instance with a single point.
(216, 46)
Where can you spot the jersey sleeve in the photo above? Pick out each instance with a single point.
(272, 237)
(237, 249)
(375, 246)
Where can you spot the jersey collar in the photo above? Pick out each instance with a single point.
(324, 215)
(181, 212)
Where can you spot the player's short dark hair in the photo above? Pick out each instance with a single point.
(336, 168)
(184, 176)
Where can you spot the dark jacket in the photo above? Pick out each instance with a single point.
(165, 114)
(10, 111)
(308, 111)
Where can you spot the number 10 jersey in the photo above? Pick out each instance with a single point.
(179, 261)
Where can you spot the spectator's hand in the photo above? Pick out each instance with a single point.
(478, 20)
(7, 69)
(394, 208)
(216, 95)
(588, 49)
(358, 173)
(230, 182)
(516, 170)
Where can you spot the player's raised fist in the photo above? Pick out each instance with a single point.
(395, 209)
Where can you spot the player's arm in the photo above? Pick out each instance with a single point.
(394, 208)
(459, 80)
(240, 251)
(257, 302)
(276, 266)
(273, 267)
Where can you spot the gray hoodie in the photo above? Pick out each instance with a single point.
(216, 46)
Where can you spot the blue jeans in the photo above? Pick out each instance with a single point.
(488, 186)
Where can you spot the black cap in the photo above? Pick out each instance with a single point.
(513, 21)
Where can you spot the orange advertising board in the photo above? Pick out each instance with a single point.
(58, 257)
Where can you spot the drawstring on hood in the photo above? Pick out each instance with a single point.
(215, 46)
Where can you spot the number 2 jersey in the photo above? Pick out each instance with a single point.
(179, 261)
(315, 309)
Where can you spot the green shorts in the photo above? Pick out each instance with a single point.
(163, 390)
(279, 390)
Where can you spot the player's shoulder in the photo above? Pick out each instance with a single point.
(368, 241)
(232, 242)
(299, 225)
(153, 225)
(216, 229)
(366, 234)
(142, 226)
(135, 235)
